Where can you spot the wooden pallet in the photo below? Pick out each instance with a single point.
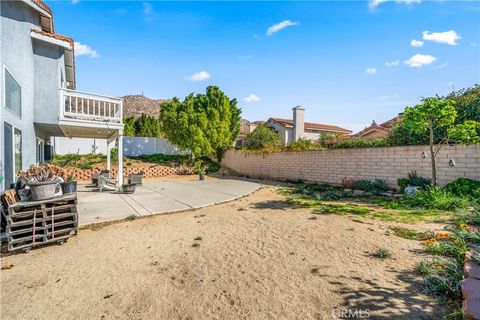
(35, 223)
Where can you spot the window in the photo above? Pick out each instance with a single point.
(13, 94)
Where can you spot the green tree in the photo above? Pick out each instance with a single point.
(439, 114)
(206, 124)
(262, 137)
(147, 126)
(129, 126)
(467, 103)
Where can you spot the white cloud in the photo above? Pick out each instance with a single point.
(75, 1)
(244, 57)
(371, 71)
(279, 26)
(392, 63)
(251, 98)
(376, 3)
(447, 37)
(84, 50)
(199, 76)
(473, 44)
(416, 43)
(420, 60)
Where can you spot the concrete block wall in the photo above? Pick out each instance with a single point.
(333, 166)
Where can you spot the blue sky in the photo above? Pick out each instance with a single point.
(346, 62)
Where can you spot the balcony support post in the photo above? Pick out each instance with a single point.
(108, 156)
(120, 158)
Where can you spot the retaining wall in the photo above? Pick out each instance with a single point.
(333, 166)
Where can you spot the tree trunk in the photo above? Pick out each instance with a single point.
(432, 154)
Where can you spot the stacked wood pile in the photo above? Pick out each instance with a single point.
(34, 223)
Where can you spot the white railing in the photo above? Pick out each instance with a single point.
(90, 107)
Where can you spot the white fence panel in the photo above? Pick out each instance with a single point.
(136, 146)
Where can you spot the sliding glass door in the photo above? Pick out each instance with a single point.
(12, 153)
(8, 154)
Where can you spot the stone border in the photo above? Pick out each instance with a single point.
(471, 285)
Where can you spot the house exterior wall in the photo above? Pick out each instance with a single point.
(286, 134)
(16, 54)
(49, 68)
(333, 166)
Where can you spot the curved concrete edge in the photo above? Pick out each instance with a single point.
(160, 197)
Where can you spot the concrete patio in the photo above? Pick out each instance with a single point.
(158, 196)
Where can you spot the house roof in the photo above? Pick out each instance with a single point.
(43, 6)
(383, 127)
(55, 36)
(313, 126)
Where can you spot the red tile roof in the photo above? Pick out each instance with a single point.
(42, 5)
(383, 127)
(55, 36)
(313, 126)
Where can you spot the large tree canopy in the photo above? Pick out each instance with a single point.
(439, 115)
(466, 103)
(205, 124)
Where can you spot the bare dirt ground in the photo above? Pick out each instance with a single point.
(257, 259)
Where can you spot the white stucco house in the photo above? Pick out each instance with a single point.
(38, 96)
(291, 130)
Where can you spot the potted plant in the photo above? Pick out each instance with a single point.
(43, 180)
(70, 185)
(200, 169)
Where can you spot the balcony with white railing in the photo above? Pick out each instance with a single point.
(90, 108)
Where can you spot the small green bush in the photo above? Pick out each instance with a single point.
(381, 253)
(445, 280)
(375, 186)
(361, 143)
(468, 216)
(464, 187)
(413, 180)
(262, 137)
(303, 145)
(435, 198)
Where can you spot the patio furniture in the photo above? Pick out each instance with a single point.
(95, 176)
(135, 178)
(105, 183)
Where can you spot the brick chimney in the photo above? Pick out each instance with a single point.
(298, 123)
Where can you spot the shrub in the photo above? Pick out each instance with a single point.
(361, 143)
(375, 186)
(413, 180)
(303, 145)
(262, 137)
(348, 183)
(467, 216)
(435, 198)
(381, 253)
(464, 187)
(364, 185)
(445, 280)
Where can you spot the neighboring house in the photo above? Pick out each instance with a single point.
(377, 130)
(38, 94)
(293, 130)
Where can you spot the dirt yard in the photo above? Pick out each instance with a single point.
(254, 258)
